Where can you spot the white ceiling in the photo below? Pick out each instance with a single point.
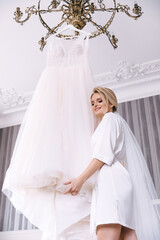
(21, 61)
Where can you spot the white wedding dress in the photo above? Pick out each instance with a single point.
(53, 145)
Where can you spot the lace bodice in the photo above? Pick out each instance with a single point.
(66, 52)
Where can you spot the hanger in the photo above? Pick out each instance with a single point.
(71, 27)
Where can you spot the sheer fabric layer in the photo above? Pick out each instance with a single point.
(53, 144)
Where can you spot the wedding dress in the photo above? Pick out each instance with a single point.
(53, 145)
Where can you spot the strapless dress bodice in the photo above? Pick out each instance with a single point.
(66, 52)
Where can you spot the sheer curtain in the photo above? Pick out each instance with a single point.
(143, 116)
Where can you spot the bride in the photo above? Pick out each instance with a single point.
(122, 205)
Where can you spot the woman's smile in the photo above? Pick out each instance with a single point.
(97, 108)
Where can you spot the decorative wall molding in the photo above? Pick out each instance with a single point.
(129, 81)
(13, 106)
(129, 72)
(11, 101)
(132, 81)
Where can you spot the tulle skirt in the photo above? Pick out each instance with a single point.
(53, 145)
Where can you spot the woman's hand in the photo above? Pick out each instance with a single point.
(76, 183)
(75, 186)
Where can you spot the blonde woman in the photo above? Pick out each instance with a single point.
(121, 206)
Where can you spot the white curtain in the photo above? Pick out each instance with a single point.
(9, 218)
(143, 117)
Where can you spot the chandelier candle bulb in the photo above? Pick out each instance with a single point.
(18, 14)
(136, 9)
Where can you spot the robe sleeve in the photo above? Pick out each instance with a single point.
(106, 139)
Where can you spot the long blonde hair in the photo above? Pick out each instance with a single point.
(107, 95)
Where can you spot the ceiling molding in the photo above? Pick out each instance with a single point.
(129, 81)
(12, 101)
(126, 72)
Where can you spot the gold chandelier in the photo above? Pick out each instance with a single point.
(77, 13)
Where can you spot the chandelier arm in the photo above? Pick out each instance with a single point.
(125, 9)
(22, 21)
(112, 16)
(29, 11)
(44, 23)
(106, 9)
(66, 2)
(95, 34)
(50, 11)
(110, 20)
(41, 19)
(99, 28)
(104, 28)
(111, 40)
(86, 1)
(54, 29)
